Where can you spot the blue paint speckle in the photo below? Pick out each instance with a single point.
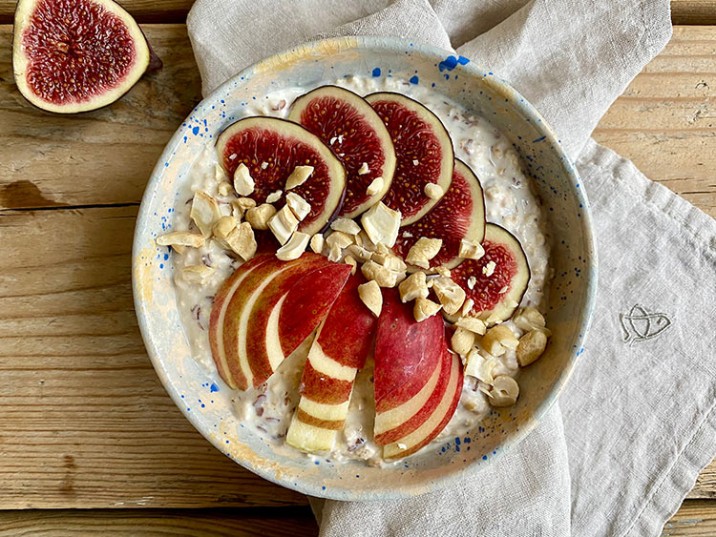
(166, 257)
(213, 388)
(484, 457)
(376, 71)
(195, 131)
(449, 63)
(580, 351)
(316, 462)
(323, 487)
(161, 265)
(414, 79)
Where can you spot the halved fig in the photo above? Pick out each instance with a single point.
(424, 154)
(347, 124)
(271, 149)
(500, 276)
(77, 55)
(460, 214)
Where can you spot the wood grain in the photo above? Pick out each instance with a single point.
(97, 158)
(85, 422)
(159, 523)
(172, 11)
(165, 11)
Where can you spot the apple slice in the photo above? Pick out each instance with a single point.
(408, 363)
(340, 349)
(218, 314)
(288, 311)
(272, 274)
(439, 418)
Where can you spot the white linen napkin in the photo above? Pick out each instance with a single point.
(637, 420)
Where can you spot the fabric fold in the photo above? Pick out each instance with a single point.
(637, 420)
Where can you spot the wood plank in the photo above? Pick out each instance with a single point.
(144, 11)
(172, 11)
(160, 523)
(693, 11)
(85, 421)
(696, 518)
(49, 160)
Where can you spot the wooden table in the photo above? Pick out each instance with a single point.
(89, 439)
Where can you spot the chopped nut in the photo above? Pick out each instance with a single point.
(204, 212)
(423, 251)
(433, 191)
(462, 341)
(471, 282)
(294, 248)
(394, 263)
(243, 182)
(335, 253)
(382, 224)
(273, 197)
(197, 274)
(363, 169)
(371, 296)
(450, 294)
(298, 205)
(317, 242)
(359, 253)
(220, 174)
(346, 225)
(383, 276)
(467, 307)
(442, 271)
(424, 308)
(413, 287)
(473, 324)
(362, 239)
(260, 216)
(498, 338)
(224, 189)
(264, 165)
(471, 250)
(181, 238)
(283, 224)
(504, 392)
(242, 241)
(223, 228)
(489, 269)
(350, 260)
(375, 186)
(245, 204)
(415, 162)
(531, 347)
(480, 367)
(528, 319)
(298, 176)
(343, 240)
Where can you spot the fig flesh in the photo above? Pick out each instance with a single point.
(74, 56)
(271, 149)
(355, 133)
(459, 215)
(497, 281)
(423, 151)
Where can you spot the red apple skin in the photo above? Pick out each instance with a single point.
(308, 303)
(287, 270)
(348, 333)
(411, 423)
(454, 395)
(310, 290)
(321, 388)
(216, 320)
(406, 352)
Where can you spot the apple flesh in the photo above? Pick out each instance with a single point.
(340, 349)
(408, 368)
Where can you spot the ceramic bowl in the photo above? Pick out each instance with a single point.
(571, 293)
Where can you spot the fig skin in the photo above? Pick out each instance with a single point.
(145, 59)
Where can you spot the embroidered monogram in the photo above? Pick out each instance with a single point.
(641, 325)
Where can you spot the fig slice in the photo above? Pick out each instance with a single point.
(347, 124)
(423, 151)
(271, 149)
(460, 214)
(500, 276)
(77, 55)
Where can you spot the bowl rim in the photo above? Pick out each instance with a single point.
(295, 54)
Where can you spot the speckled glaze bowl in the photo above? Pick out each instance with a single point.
(206, 400)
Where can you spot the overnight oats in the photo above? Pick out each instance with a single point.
(365, 264)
